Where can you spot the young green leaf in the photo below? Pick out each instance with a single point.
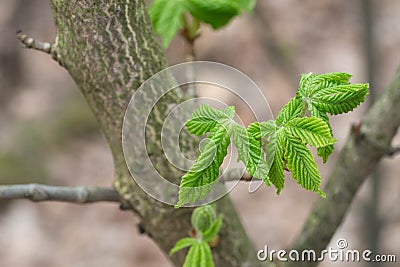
(183, 243)
(265, 147)
(326, 151)
(262, 129)
(217, 13)
(291, 110)
(193, 256)
(302, 165)
(250, 152)
(206, 255)
(311, 83)
(199, 255)
(254, 130)
(310, 130)
(203, 217)
(166, 17)
(340, 99)
(205, 118)
(207, 226)
(246, 5)
(213, 230)
(198, 181)
(275, 155)
(330, 93)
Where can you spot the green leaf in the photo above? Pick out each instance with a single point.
(250, 152)
(203, 217)
(199, 255)
(262, 129)
(213, 230)
(246, 5)
(326, 151)
(205, 118)
(207, 226)
(302, 165)
(330, 93)
(193, 256)
(217, 13)
(335, 77)
(183, 243)
(310, 130)
(166, 17)
(206, 255)
(254, 130)
(290, 111)
(340, 99)
(311, 83)
(276, 172)
(198, 181)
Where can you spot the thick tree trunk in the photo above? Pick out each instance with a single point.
(109, 49)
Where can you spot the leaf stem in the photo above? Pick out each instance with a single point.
(191, 28)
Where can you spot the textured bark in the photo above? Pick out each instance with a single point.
(109, 49)
(363, 150)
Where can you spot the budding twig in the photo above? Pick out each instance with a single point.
(46, 47)
(29, 42)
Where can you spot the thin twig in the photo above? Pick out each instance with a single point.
(29, 42)
(236, 175)
(190, 33)
(48, 48)
(38, 192)
(393, 151)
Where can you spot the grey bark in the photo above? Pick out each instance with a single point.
(109, 49)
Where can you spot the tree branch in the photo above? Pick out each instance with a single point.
(45, 47)
(358, 159)
(236, 175)
(393, 151)
(79, 195)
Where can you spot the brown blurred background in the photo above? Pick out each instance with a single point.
(48, 134)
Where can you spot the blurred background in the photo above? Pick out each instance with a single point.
(48, 134)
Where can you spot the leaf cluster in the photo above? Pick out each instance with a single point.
(207, 226)
(167, 15)
(268, 148)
